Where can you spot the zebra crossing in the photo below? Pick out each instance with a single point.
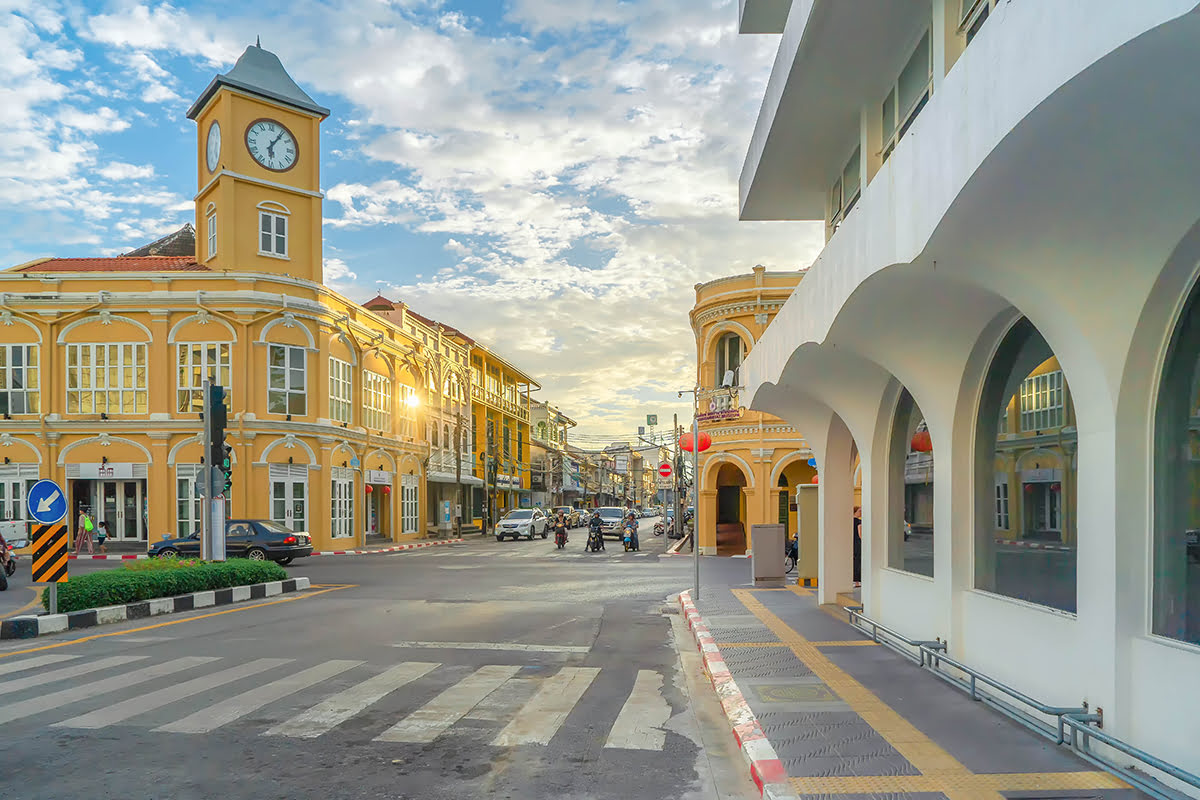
(511, 705)
(615, 552)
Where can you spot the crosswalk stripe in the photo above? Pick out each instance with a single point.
(540, 718)
(29, 663)
(435, 717)
(639, 725)
(342, 706)
(225, 712)
(119, 712)
(73, 671)
(49, 702)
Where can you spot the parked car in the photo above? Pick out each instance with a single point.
(610, 520)
(527, 522)
(574, 518)
(255, 539)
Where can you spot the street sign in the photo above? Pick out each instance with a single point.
(49, 553)
(719, 416)
(47, 502)
(652, 420)
(664, 469)
(665, 483)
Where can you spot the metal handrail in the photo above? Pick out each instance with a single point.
(855, 613)
(1143, 782)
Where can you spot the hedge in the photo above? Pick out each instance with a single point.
(147, 580)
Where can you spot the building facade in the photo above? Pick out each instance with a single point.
(1003, 331)
(757, 470)
(555, 474)
(332, 404)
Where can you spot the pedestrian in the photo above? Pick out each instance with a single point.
(83, 534)
(101, 535)
(857, 546)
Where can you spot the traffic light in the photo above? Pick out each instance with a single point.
(220, 454)
(226, 466)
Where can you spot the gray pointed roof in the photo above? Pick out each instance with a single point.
(260, 72)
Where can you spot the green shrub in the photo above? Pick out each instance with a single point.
(153, 578)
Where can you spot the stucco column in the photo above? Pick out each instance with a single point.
(706, 522)
(835, 514)
(160, 488)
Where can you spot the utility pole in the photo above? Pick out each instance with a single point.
(458, 492)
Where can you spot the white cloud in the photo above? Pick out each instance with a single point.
(120, 171)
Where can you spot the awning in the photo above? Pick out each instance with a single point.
(448, 477)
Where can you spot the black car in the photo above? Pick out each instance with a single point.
(255, 539)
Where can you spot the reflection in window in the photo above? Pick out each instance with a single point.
(729, 357)
(910, 530)
(1177, 486)
(286, 388)
(1026, 533)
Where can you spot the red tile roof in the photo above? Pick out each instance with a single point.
(119, 264)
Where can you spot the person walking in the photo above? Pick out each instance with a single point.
(83, 533)
(101, 536)
(857, 546)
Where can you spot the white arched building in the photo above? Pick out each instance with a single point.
(1007, 304)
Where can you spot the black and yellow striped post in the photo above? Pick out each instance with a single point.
(50, 558)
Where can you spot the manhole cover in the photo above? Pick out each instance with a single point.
(794, 693)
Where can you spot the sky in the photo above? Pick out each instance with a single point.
(552, 177)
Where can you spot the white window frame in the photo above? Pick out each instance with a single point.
(1042, 402)
(410, 511)
(840, 204)
(290, 476)
(187, 498)
(903, 117)
(287, 369)
(131, 357)
(1002, 518)
(377, 402)
(29, 391)
(193, 365)
(972, 15)
(341, 503)
(341, 390)
(408, 410)
(211, 221)
(275, 216)
(15, 480)
(723, 357)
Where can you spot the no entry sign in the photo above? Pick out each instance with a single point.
(664, 469)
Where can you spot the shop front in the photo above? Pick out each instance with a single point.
(111, 493)
(377, 519)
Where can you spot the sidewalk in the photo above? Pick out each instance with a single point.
(850, 718)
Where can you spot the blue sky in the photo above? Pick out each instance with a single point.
(552, 177)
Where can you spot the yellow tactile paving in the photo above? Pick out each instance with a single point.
(851, 643)
(940, 771)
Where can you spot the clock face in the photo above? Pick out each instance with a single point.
(213, 147)
(272, 145)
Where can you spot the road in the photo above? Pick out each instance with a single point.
(486, 669)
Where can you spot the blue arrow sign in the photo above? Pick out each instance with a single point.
(47, 502)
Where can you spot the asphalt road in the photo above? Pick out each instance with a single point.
(501, 670)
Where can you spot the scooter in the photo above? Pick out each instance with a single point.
(10, 563)
(560, 537)
(659, 529)
(631, 538)
(595, 541)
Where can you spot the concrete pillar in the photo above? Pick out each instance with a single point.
(835, 514)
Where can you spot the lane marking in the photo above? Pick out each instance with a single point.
(49, 702)
(227, 711)
(73, 671)
(435, 717)
(836, 643)
(524, 648)
(119, 712)
(80, 640)
(540, 718)
(639, 725)
(34, 603)
(327, 715)
(30, 663)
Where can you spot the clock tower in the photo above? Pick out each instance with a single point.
(258, 199)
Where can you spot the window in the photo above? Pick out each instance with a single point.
(377, 403)
(408, 410)
(188, 502)
(447, 441)
(19, 386)
(910, 506)
(342, 503)
(272, 234)
(520, 445)
(974, 13)
(507, 440)
(409, 510)
(431, 434)
(289, 495)
(1002, 502)
(212, 234)
(1042, 402)
(286, 393)
(729, 358)
(106, 379)
(340, 383)
(15, 480)
(846, 190)
(196, 362)
(908, 95)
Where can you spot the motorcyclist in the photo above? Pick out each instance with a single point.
(560, 524)
(632, 524)
(3, 552)
(596, 528)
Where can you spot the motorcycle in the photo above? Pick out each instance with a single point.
(10, 562)
(631, 538)
(673, 531)
(659, 529)
(595, 541)
(560, 537)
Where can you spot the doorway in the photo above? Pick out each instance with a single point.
(120, 505)
(289, 495)
(729, 504)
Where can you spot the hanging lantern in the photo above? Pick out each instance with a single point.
(369, 488)
(812, 462)
(1028, 488)
(921, 443)
(816, 479)
(685, 442)
(1056, 487)
(387, 490)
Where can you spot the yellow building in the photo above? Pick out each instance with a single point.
(500, 432)
(340, 415)
(757, 469)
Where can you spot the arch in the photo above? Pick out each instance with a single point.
(290, 442)
(203, 318)
(411, 462)
(725, 326)
(101, 439)
(173, 453)
(342, 445)
(104, 317)
(7, 318)
(7, 440)
(273, 206)
(713, 463)
(338, 335)
(787, 461)
(383, 454)
(288, 320)
(210, 208)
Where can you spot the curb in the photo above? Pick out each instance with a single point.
(765, 767)
(397, 548)
(31, 626)
(113, 557)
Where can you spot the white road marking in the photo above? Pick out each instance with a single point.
(540, 718)
(119, 712)
(327, 715)
(86, 691)
(525, 648)
(73, 671)
(433, 719)
(29, 663)
(639, 725)
(225, 712)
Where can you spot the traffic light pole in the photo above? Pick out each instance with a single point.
(217, 473)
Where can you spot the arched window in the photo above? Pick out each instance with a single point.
(729, 357)
(1025, 475)
(1177, 485)
(446, 439)
(273, 229)
(910, 486)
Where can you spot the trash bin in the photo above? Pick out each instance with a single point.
(767, 554)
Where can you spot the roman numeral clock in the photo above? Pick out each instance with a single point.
(272, 145)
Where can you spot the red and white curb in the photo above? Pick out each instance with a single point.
(113, 557)
(765, 767)
(395, 549)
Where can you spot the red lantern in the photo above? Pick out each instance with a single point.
(1056, 487)
(685, 441)
(369, 489)
(921, 443)
(387, 490)
(1028, 487)
(816, 479)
